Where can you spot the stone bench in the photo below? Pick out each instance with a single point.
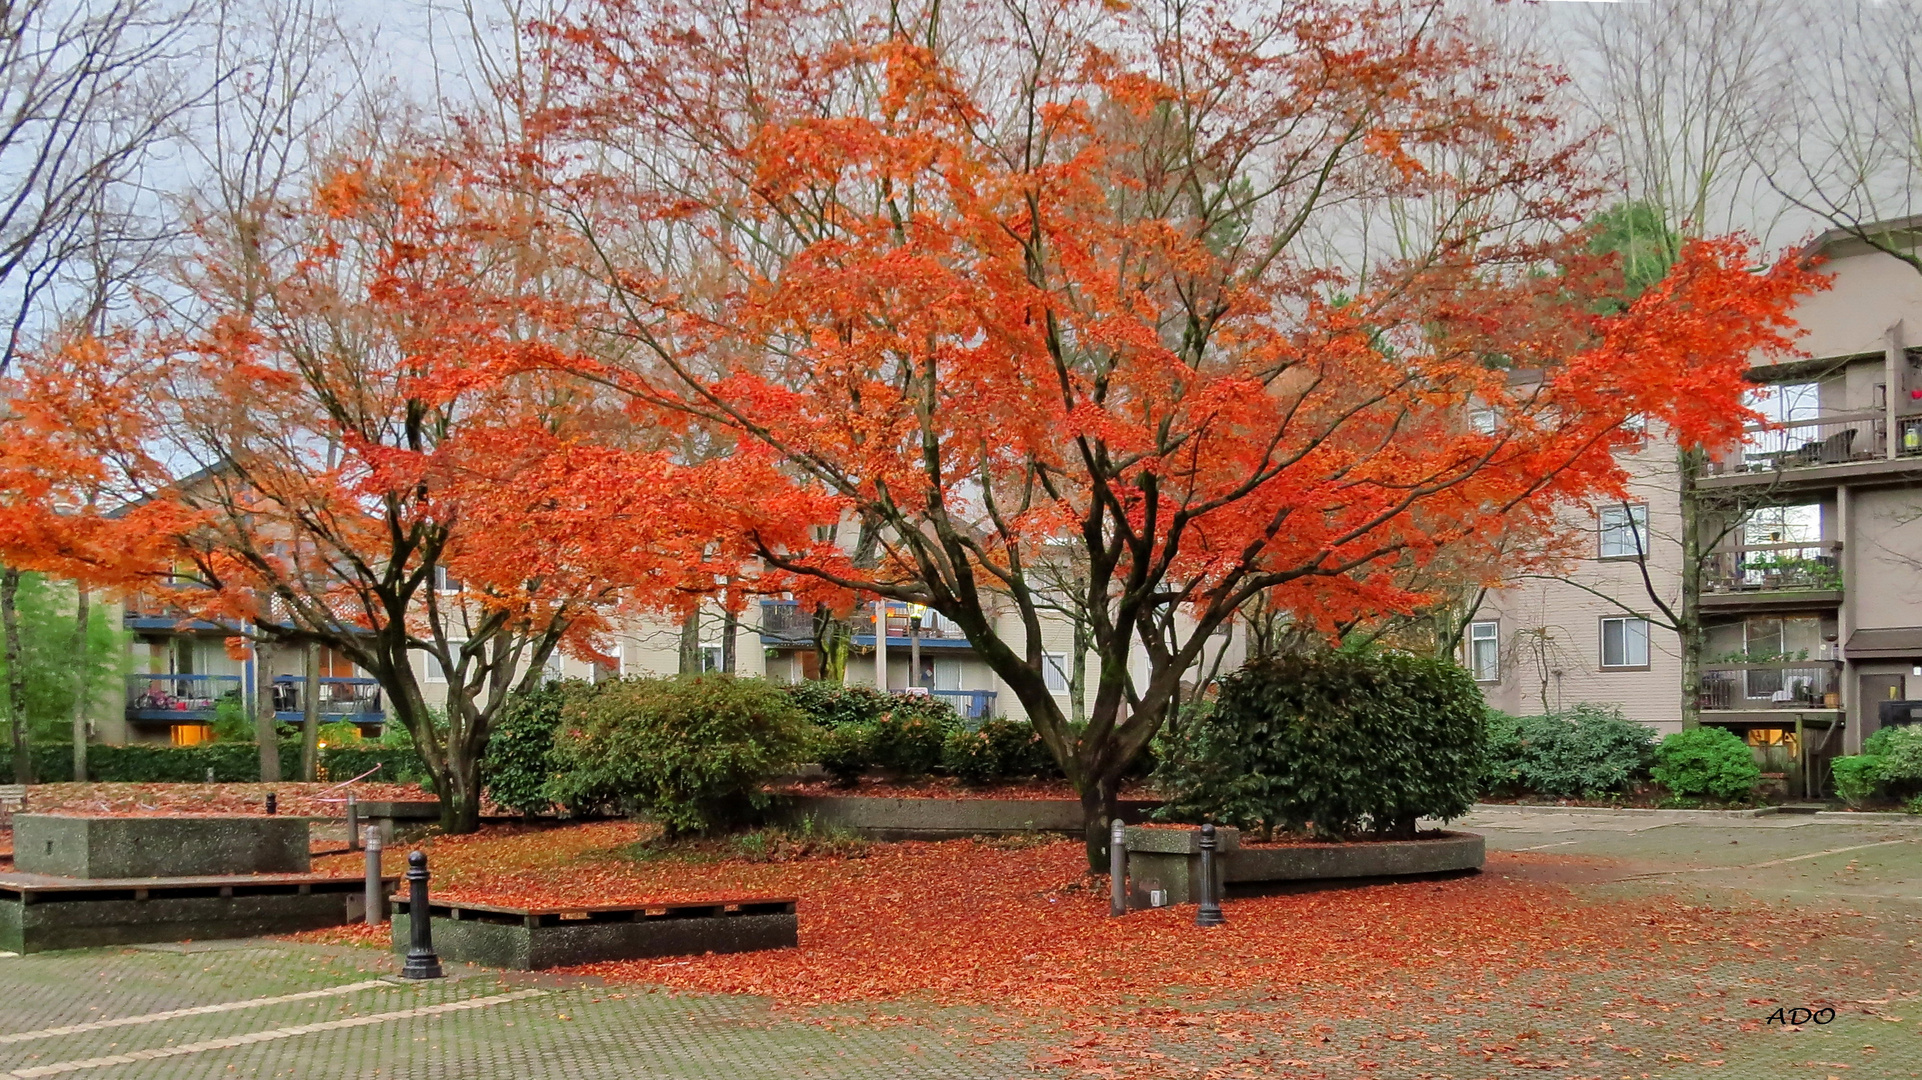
(40, 912)
(532, 939)
(390, 815)
(1165, 864)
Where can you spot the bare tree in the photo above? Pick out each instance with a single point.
(1845, 144)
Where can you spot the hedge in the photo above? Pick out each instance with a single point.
(232, 763)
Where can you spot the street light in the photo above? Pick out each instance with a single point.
(915, 612)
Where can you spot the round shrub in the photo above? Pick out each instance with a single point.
(859, 728)
(1857, 778)
(1000, 750)
(908, 738)
(845, 751)
(832, 704)
(692, 753)
(1340, 742)
(520, 750)
(1706, 762)
(1582, 752)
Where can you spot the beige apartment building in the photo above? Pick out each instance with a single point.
(1811, 567)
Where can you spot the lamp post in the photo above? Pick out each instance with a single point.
(914, 644)
(881, 645)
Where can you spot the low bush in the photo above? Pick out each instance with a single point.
(692, 752)
(908, 738)
(844, 751)
(859, 728)
(231, 762)
(833, 705)
(1706, 762)
(1338, 742)
(999, 751)
(1857, 778)
(1588, 751)
(520, 751)
(1889, 766)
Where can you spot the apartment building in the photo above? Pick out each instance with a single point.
(1810, 572)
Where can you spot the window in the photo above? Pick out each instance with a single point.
(711, 657)
(1485, 650)
(436, 673)
(1624, 531)
(1624, 643)
(1484, 419)
(444, 581)
(1783, 525)
(1787, 402)
(1054, 670)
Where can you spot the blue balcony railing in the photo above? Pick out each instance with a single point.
(356, 699)
(971, 704)
(178, 698)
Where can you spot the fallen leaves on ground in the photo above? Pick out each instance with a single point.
(140, 800)
(946, 787)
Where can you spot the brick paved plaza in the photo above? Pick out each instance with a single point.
(278, 1008)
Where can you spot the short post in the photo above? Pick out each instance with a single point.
(273, 803)
(1117, 869)
(1209, 913)
(353, 822)
(210, 774)
(376, 895)
(421, 961)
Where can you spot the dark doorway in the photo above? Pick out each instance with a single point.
(1875, 690)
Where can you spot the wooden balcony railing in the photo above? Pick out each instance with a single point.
(1835, 439)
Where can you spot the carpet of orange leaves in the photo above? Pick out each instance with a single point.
(318, 800)
(1020, 926)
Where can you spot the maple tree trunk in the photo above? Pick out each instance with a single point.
(266, 724)
(82, 611)
(691, 644)
(459, 792)
(1100, 804)
(1689, 625)
(16, 676)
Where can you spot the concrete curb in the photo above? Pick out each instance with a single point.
(1868, 815)
(939, 819)
(1705, 815)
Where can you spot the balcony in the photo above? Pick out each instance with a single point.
(179, 698)
(784, 622)
(1774, 575)
(356, 699)
(1768, 687)
(974, 705)
(1842, 443)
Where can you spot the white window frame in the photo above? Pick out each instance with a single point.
(1493, 673)
(436, 673)
(1621, 537)
(1054, 671)
(1628, 662)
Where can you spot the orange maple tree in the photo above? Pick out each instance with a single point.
(334, 474)
(1084, 303)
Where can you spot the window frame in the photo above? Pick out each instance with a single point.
(1602, 642)
(1474, 664)
(1635, 527)
(1054, 668)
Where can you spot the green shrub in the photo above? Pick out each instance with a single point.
(1341, 742)
(520, 750)
(908, 738)
(1900, 751)
(999, 750)
(692, 752)
(1706, 762)
(232, 763)
(831, 704)
(1857, 777)
(844, 751)
(1586, 751)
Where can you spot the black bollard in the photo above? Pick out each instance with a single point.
(1209, 913)
(273, 803)
(1117, 869)
(421, 961)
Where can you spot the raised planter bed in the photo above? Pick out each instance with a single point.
(532, 939)
(389, 815)
(1165, 864)
(39, 912)
(941, 819)
(95, 847)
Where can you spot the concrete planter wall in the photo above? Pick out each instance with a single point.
(941, 819)
(38, 913)
(1168, 862)
(76, 846)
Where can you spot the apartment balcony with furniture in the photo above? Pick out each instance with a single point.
(1788, 575)
(178, 699)
(786, 623)
(1787, 685)
(354, 699)
(1821, 449)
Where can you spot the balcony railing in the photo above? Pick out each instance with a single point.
(788, 621)
(971, 704)
(341, 698)
(1767, 567)
(178, 697)
(1803, 684)
(1835, 439)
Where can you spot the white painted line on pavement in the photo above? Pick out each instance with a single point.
(198, 1010)
(231, 1041)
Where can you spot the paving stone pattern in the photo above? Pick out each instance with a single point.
(1675, 1018)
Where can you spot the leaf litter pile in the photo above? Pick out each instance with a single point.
(1017, 928)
